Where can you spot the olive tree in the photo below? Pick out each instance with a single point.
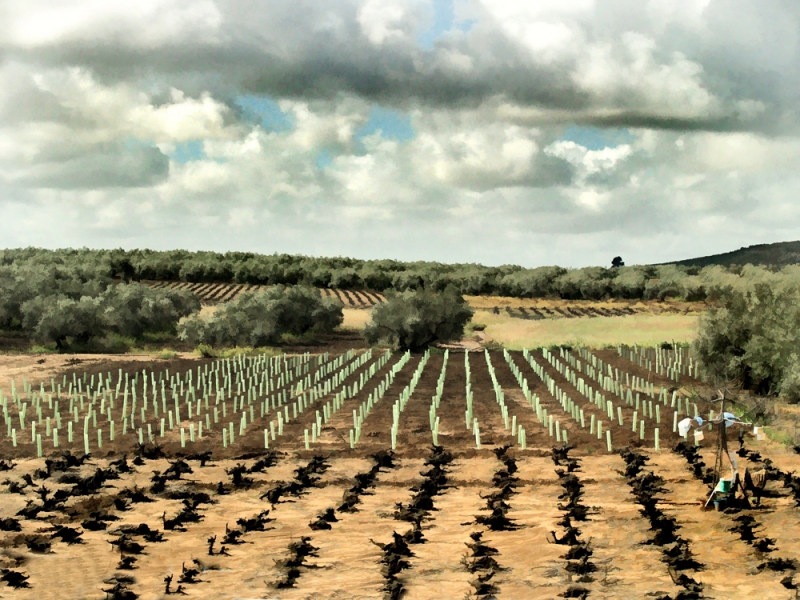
(413, 320)
(261, 318)
(753, 337)
(133, 309)
(60, 319)
(127, 312)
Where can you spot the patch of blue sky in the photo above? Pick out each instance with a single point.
(392, 124)
(188, 151)
(324, 159)
(444, 20)
(594, 138)
(266, 112)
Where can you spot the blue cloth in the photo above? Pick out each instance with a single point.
(730, 418)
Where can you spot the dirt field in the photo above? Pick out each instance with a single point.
(502, 521)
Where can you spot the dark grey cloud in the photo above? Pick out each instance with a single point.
(743, 50)
(104, 166)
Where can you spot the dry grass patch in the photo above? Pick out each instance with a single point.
(636, 329)
(356, 318)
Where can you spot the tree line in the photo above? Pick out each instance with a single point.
(70, 300)
(654, 282)
(74, 300)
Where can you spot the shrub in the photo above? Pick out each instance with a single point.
(590, 283)
(629, 282)
(753, 338)
(67, 306)
(261, 318)
(530, 283)
(415, 319)
(789, 386)
(207, 351)
(59, 319)
(134, 309)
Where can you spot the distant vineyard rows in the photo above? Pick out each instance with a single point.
(214, 293)
(569, 312)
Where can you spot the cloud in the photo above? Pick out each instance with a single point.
(140, 23)
(456, 130)
(385, 21)
(62, 128)
(592, 166)
(623, 63)
(482, 157)
(105, 166)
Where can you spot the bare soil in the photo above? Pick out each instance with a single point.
(345, 560)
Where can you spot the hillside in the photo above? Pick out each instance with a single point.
(779, 254)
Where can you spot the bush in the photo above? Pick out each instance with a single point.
(257, 319)
(207, 351)
(753, 338)
(134, 309)
(58, 318)
(413, 320)
(105, 321)
(69, 299)
(789, 386)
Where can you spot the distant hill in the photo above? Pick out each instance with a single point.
(779, 254)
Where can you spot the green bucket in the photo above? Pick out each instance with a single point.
(724, 485)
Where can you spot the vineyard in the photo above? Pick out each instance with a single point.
(577, 310)
(532, 474)
(214, 293)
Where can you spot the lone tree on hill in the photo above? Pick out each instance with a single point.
(415, 319)
(617, 262)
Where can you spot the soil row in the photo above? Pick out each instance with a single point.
(215, 293)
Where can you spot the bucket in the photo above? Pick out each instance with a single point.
(719, 505)
(698, 435)
(725, 485)
(759, 433)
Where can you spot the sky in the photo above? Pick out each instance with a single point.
(491, 131)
